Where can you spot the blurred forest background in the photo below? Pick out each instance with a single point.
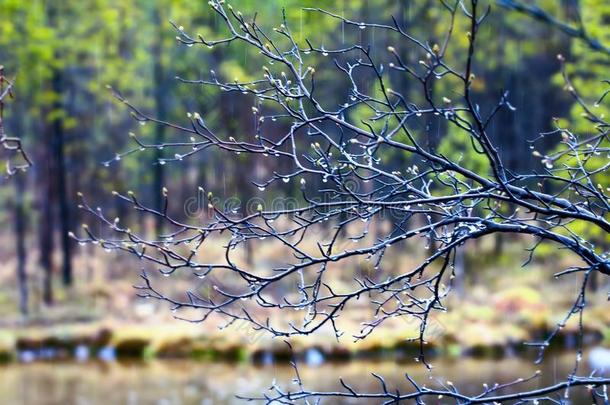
(62, 55)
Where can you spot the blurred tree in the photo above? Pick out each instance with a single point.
(57, 136)
(66, 52)
(20, 242)
(20, 221)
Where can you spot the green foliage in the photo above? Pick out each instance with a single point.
(587, 70)
(96, 43)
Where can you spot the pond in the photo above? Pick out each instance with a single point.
(186, 382)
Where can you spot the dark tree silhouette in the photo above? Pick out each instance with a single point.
(57, 143)
(336, 157)
(12, 150)
(12, 153)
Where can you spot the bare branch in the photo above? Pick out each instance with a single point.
(336, 157)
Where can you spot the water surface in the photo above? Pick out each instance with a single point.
(188, 382)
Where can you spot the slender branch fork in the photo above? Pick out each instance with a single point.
(12, 145)
(347, 186)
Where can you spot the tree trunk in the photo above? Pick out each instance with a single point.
(161, 114)
(20, 229)
(21, 220)
(594, 279)
(45, 230)
(57, 147)
(61, 186)
(498, 244)
(459, 271)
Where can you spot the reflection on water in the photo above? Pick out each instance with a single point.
(187, 382)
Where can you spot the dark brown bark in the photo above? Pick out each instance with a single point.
(20, 234)
(58, 145)
(58, 155)
(18, 211)
(161, 113)
(45, 229)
